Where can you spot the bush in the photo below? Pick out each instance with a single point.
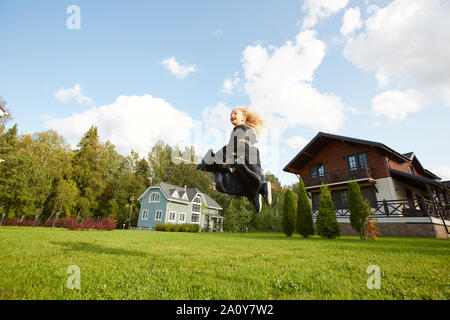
(371, 227)
(159, 226)
(268, 221)
(289, 214)
(305, 223)
(171, 227)
(194, 228)
(327, 225)
(70, 223)
(358, 208)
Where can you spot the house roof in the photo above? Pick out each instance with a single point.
(413, 179)
(409, 155)
(322, 139)
(169, 189)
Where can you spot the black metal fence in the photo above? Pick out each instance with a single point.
(399, 208)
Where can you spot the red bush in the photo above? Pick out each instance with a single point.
(106, 223)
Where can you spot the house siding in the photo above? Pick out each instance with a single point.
(334, 157)
(177, 207)
(152, 207)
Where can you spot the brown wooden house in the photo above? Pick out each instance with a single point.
(402, 193)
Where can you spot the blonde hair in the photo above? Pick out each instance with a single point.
(252, 119)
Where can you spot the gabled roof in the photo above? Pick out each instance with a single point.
(321, 140)
(168, 190)
(409, 155)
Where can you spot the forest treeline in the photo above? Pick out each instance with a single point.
(41, 175)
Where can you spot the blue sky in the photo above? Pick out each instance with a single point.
(148, 70)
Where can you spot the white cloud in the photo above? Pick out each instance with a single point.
(395, 105)
(66, 95)
(215, 128)
(177, 69)
(443, 172)
(131, 122)
(296, 142)
(351, 21)
(217, 33)
(230, 84)
(278, 82)
(404, 41)
(320, 9)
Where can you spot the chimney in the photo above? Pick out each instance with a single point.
(185, 187)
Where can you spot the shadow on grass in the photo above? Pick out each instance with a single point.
(426, 246)
(95, 248)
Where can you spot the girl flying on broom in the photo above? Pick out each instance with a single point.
(237, 166)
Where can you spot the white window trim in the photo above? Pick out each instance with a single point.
(179, 217)
(172, 220)
(199, 216)
(150, 198)
(146, 215)
(156, 215)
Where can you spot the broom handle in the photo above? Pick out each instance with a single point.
(184, 160)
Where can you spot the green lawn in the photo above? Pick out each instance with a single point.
(159, 265)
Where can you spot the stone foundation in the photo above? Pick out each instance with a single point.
(420, 227)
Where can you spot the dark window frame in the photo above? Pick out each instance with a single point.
(314, 170)
(358, 160)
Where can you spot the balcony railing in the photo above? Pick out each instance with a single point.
(338, 176)
(398, 208)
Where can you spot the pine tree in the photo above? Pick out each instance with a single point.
(289, 213)
(358, 209)
(89, 167)
(327, 225)
(305, 223)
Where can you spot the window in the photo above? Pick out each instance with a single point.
(411, 170)
(362, 157)
(340, 199)
(357, 161)
(154, 197)
(172, 216)
(182, 217)
(317, 170)
(158, 215)
(352, 163)
(195, 218)
(196, 209)
(144, 215)
(196, 205)
(370, 195)
(315, 200)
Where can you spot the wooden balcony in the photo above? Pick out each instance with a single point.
(337, 177)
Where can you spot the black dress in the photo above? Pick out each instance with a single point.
(241, 174)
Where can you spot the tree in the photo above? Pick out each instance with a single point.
(358, 209)
(66, 195)
(289, 213)
(327, 225)
(89, 165)
(305, 223)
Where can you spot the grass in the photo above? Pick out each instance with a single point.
(124, 264)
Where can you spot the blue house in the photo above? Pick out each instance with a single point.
(167, 203)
